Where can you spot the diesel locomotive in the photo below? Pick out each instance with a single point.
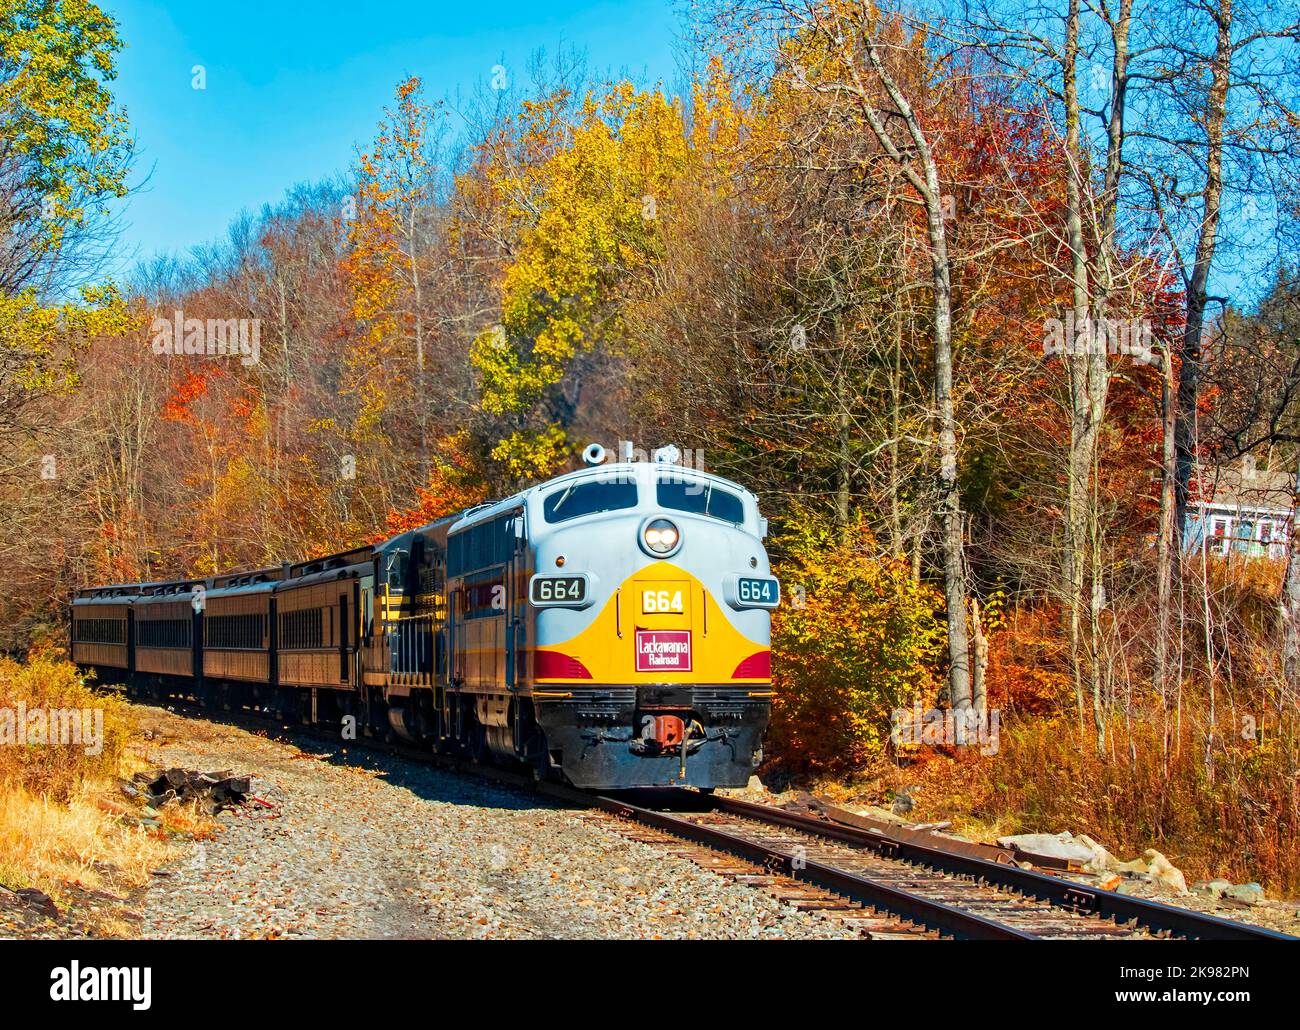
(609, 627)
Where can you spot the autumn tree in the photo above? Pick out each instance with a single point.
(585, 217)
(64, 159)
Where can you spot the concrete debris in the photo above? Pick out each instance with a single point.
(1085, 854)
(1062, 846)
(1245, 894)
(1240, 895)
(1160, 870)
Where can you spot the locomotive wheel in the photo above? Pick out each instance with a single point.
(542, 771)
(476, 738)
(286, 706)
(478, 745)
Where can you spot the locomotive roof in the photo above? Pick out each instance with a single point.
(632, 469)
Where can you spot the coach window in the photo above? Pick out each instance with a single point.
(588, 497)
(700, 497)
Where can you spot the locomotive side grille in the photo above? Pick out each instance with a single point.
(599, 713)
(606, 698)
(721, 703)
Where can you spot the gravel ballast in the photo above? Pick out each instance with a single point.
(347, 843)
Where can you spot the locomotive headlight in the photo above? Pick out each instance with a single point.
(661, 536)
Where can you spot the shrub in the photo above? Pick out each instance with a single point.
(854, 639)
(30, 694)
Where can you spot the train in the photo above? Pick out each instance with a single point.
(609, 627)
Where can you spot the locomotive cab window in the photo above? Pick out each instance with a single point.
(700, 498)
(588, 497)
(396, 562)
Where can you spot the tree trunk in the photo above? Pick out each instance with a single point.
(1189, 372)
(979, 663)
(844, 439)
(1079, 464)
(1164, 546)
(919, 168)
(949, 507)
(896, 543)
(417, 302)
(1291, 607)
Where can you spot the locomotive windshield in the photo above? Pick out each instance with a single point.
(700, 498)
(589, 497)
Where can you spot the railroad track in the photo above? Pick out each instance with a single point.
(862, 874)
(886, 887)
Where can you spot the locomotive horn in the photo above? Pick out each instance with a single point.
(594, 454)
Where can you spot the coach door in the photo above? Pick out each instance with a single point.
(130, 640)
(345, 635)
(196, 636)
(365, 610)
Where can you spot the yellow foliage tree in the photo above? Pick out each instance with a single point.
(855, 638)
(66, 149)
(586, 214)
(385, 264)
(39, 342)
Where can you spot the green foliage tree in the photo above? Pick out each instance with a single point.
(64, 148)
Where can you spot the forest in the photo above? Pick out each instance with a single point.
(986, 305)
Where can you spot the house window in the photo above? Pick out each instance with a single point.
(1219, 526)
(1272, 538)
(1243, 536)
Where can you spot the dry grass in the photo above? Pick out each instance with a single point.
(1237, 817)
(1232, 814)
(65, 828)
(77, 843)
(35, 689)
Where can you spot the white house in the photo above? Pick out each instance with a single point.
(1247, 510)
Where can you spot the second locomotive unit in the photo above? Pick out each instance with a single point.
(610, 626)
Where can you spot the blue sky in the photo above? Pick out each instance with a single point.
(292, 88)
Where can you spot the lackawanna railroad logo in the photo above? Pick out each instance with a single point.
(103, 983)
(663, 650)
